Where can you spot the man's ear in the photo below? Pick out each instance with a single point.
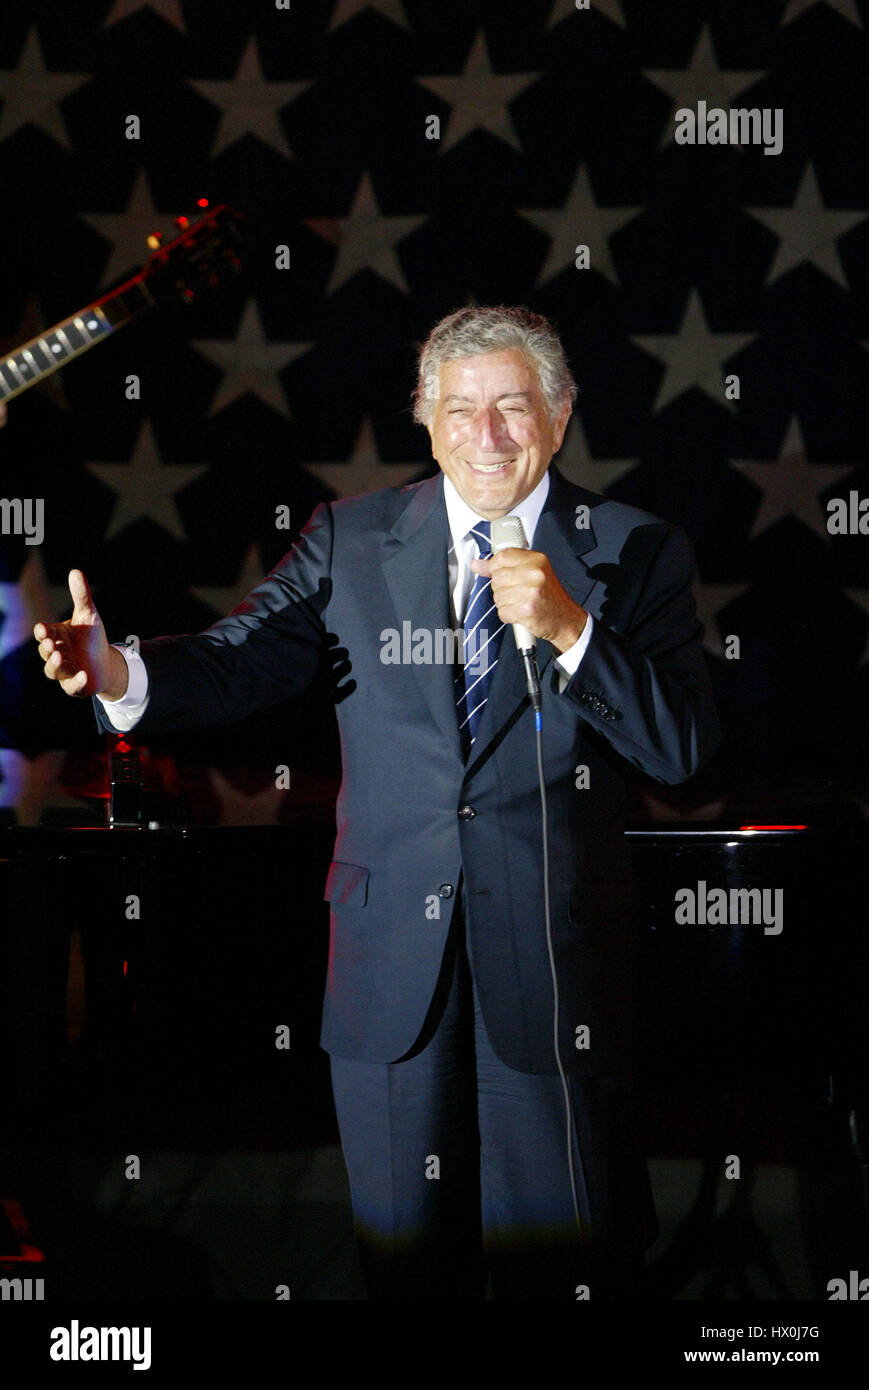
(559, 429)
(428, 426)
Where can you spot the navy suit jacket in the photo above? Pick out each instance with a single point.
(641, 696)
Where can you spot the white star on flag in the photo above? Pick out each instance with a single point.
(658, 808)
(170, 10)
(563, 9)
(808, 231)
(576, 462)
(702, 80)
(251, 362)
(31, 786)
(846, 8)
(246, 808)
(580, 222)
(30, 600)
(128, 231)
(346, 10)
(223, 601)
(479, 97)
(712, 599)
(693, 355)
(365, 471)
(365, 238)
(791, 486)
(146, 486)
(32, 95)
(250, 104)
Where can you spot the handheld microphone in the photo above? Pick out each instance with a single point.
(507, 533)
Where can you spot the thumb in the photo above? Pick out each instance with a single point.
(81, 594)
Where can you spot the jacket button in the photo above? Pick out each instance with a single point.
(466, 813)
(445, 890)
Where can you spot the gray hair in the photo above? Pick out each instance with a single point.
(486, 328)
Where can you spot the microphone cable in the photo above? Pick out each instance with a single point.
(509, 531)
(547, 909)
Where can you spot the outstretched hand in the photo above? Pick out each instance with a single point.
(77, 653)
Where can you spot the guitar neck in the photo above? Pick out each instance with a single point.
(33, 361)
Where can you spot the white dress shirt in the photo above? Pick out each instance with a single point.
(125, 713)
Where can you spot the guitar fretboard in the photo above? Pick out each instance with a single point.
(193, 260)
(51, 349)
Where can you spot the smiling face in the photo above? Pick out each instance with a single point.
(490, 429)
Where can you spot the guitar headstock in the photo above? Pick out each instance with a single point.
(198, 257)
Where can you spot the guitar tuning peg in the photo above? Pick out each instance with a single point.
(155, 240)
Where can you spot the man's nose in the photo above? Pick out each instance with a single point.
(489, 428)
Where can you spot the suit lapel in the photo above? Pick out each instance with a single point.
(414, 560)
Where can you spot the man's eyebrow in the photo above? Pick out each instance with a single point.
(527, 395)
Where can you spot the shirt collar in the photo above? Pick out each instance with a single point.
(461, 517)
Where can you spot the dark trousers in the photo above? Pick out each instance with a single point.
(459, 1172)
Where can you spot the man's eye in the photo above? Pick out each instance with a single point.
(459, 410)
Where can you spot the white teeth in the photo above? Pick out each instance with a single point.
(488, 467)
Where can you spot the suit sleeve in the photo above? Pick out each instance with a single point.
(647, 689)
(267, 649)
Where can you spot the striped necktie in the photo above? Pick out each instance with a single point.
(482, 638)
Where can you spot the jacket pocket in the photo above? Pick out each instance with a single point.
(346, 884)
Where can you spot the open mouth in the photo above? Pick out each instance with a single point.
(489, 469)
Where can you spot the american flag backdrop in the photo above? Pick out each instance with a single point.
(395, 160)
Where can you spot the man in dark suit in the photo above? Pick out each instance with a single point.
(482, 1047)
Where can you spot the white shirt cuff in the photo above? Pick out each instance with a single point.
(125, 713)
(568, 662)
